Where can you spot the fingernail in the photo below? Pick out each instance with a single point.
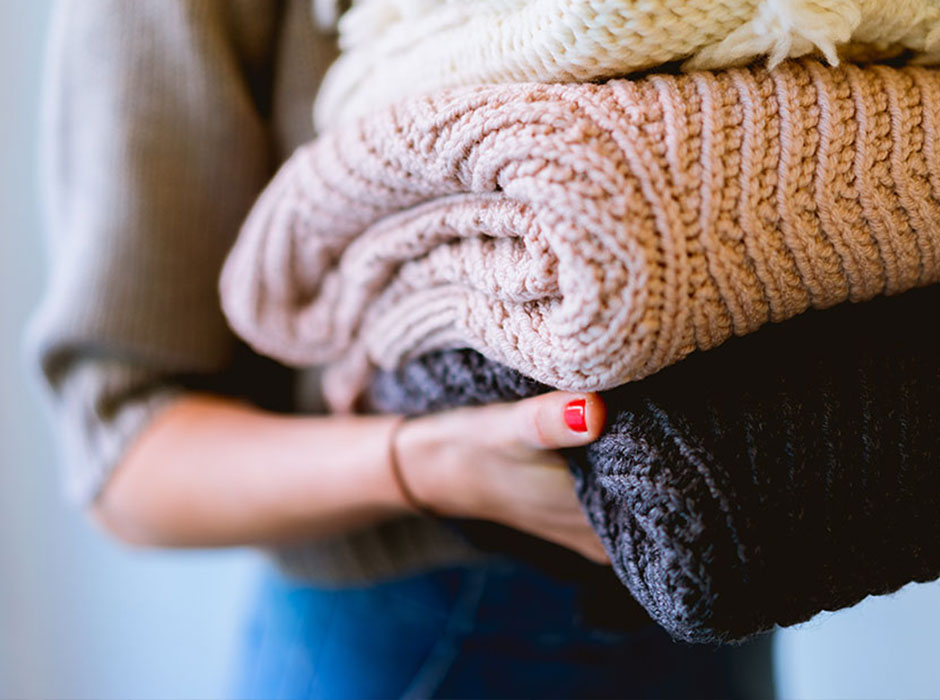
(575, 415)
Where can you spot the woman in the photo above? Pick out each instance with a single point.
(164, 120)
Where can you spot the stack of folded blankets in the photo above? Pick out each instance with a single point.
(500, 204)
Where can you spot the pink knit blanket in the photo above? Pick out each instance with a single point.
(591, 235)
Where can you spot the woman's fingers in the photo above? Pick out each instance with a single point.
(589, 547)
(557, 420)
(499, 463)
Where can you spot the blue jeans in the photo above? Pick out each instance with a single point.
(496, 630)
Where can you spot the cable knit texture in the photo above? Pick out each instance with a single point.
(792, 471)
(396, 48)
(591, 235)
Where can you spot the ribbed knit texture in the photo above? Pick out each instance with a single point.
(591, 235)
(792, 471)
(396, 48)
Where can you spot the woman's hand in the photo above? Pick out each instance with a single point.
(499, 463)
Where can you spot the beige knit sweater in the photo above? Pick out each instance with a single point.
(590, 235)
(150, 167)
(396, 48)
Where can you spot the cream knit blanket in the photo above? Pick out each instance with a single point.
(396, 48)
(590, 235)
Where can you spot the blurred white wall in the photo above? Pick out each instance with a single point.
(884, 647)
(81, 618)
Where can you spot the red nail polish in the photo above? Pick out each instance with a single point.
(575, 415)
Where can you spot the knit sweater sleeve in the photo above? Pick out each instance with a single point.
(155, 144)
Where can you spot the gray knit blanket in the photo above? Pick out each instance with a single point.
(789, 472)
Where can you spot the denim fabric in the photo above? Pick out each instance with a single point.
(497, 630)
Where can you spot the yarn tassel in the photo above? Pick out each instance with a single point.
(785, 29)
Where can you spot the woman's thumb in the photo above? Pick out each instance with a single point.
(559, 419)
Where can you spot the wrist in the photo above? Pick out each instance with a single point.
(435, 480)
(407, 497)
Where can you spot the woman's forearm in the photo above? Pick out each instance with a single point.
(214, 472)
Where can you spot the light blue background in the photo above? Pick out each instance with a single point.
(83, 618)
